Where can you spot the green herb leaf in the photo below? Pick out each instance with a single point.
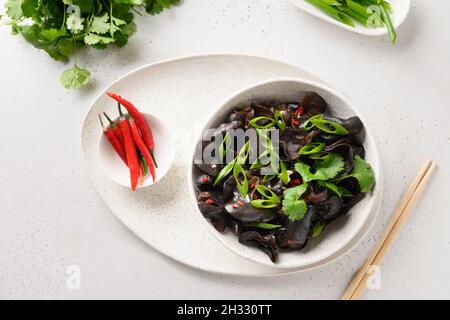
(260, 225)
(238, 173)
(100, 24)
(239, 160)
(295, 193)
(280, 120)
(224, 172)
(157, 6)
(75, 77)
(308, 125)
(93, 39)
(332, 12)
(224, 146)
(52, 26)
(293, 207)
(283, 175)
(263, 204)
(311, 148)
(317, 229)
(362, 171)
(269, 122)
(267, 178)
(339, 191)
(329, 126)
(328, 168)
(131, 2)
(74, 23)
(14, 9)
(258, 162)
(267, 193)
(390, 27)
(295, 210)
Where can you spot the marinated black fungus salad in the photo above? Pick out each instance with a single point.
(305, 169)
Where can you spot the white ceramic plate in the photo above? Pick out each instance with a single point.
(343, 233)
(400, 10)
(182, 93)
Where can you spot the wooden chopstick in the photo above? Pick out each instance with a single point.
(403, 209)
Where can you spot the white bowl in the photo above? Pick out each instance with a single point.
(164, 155)
(344, 233)
(400, 10)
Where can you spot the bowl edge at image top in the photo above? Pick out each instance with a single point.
(401, 9)
(371, 201)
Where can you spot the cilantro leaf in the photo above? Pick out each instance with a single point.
(53, 34)
(14, 9)
(75, 77)
(324, 169)
(100, 24)
(362, 171)
(157, 6)
(295, 210)
(93, 39)
(293, 207)
(130, 2)
(74, 23)
(295, 193)
(49, 40)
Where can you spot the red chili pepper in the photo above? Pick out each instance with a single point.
(210, 201)
(118, 147)
(294, 122)
(130, 151)
(299, 111)
(115, 128)
(296, 182)
(141, 178)
(142, 124)
(142, 147)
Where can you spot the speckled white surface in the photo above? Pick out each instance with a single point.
(52, 217)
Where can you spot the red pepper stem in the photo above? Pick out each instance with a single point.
(120, 109)
(108, 118)
(101, 121)
(153, 157)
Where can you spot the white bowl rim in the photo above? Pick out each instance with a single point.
(148, 183)
(357, 235)
(363, 30)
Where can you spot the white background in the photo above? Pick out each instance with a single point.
(51, 217)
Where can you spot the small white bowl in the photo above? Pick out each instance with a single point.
(400, 10)
(341, 235)
(164, 155)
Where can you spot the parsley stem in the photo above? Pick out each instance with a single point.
(64, 18)
(137, 12)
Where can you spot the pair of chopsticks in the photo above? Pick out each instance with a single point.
(401, 213)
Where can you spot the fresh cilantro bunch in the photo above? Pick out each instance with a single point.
(327, 171)
(61, 27)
